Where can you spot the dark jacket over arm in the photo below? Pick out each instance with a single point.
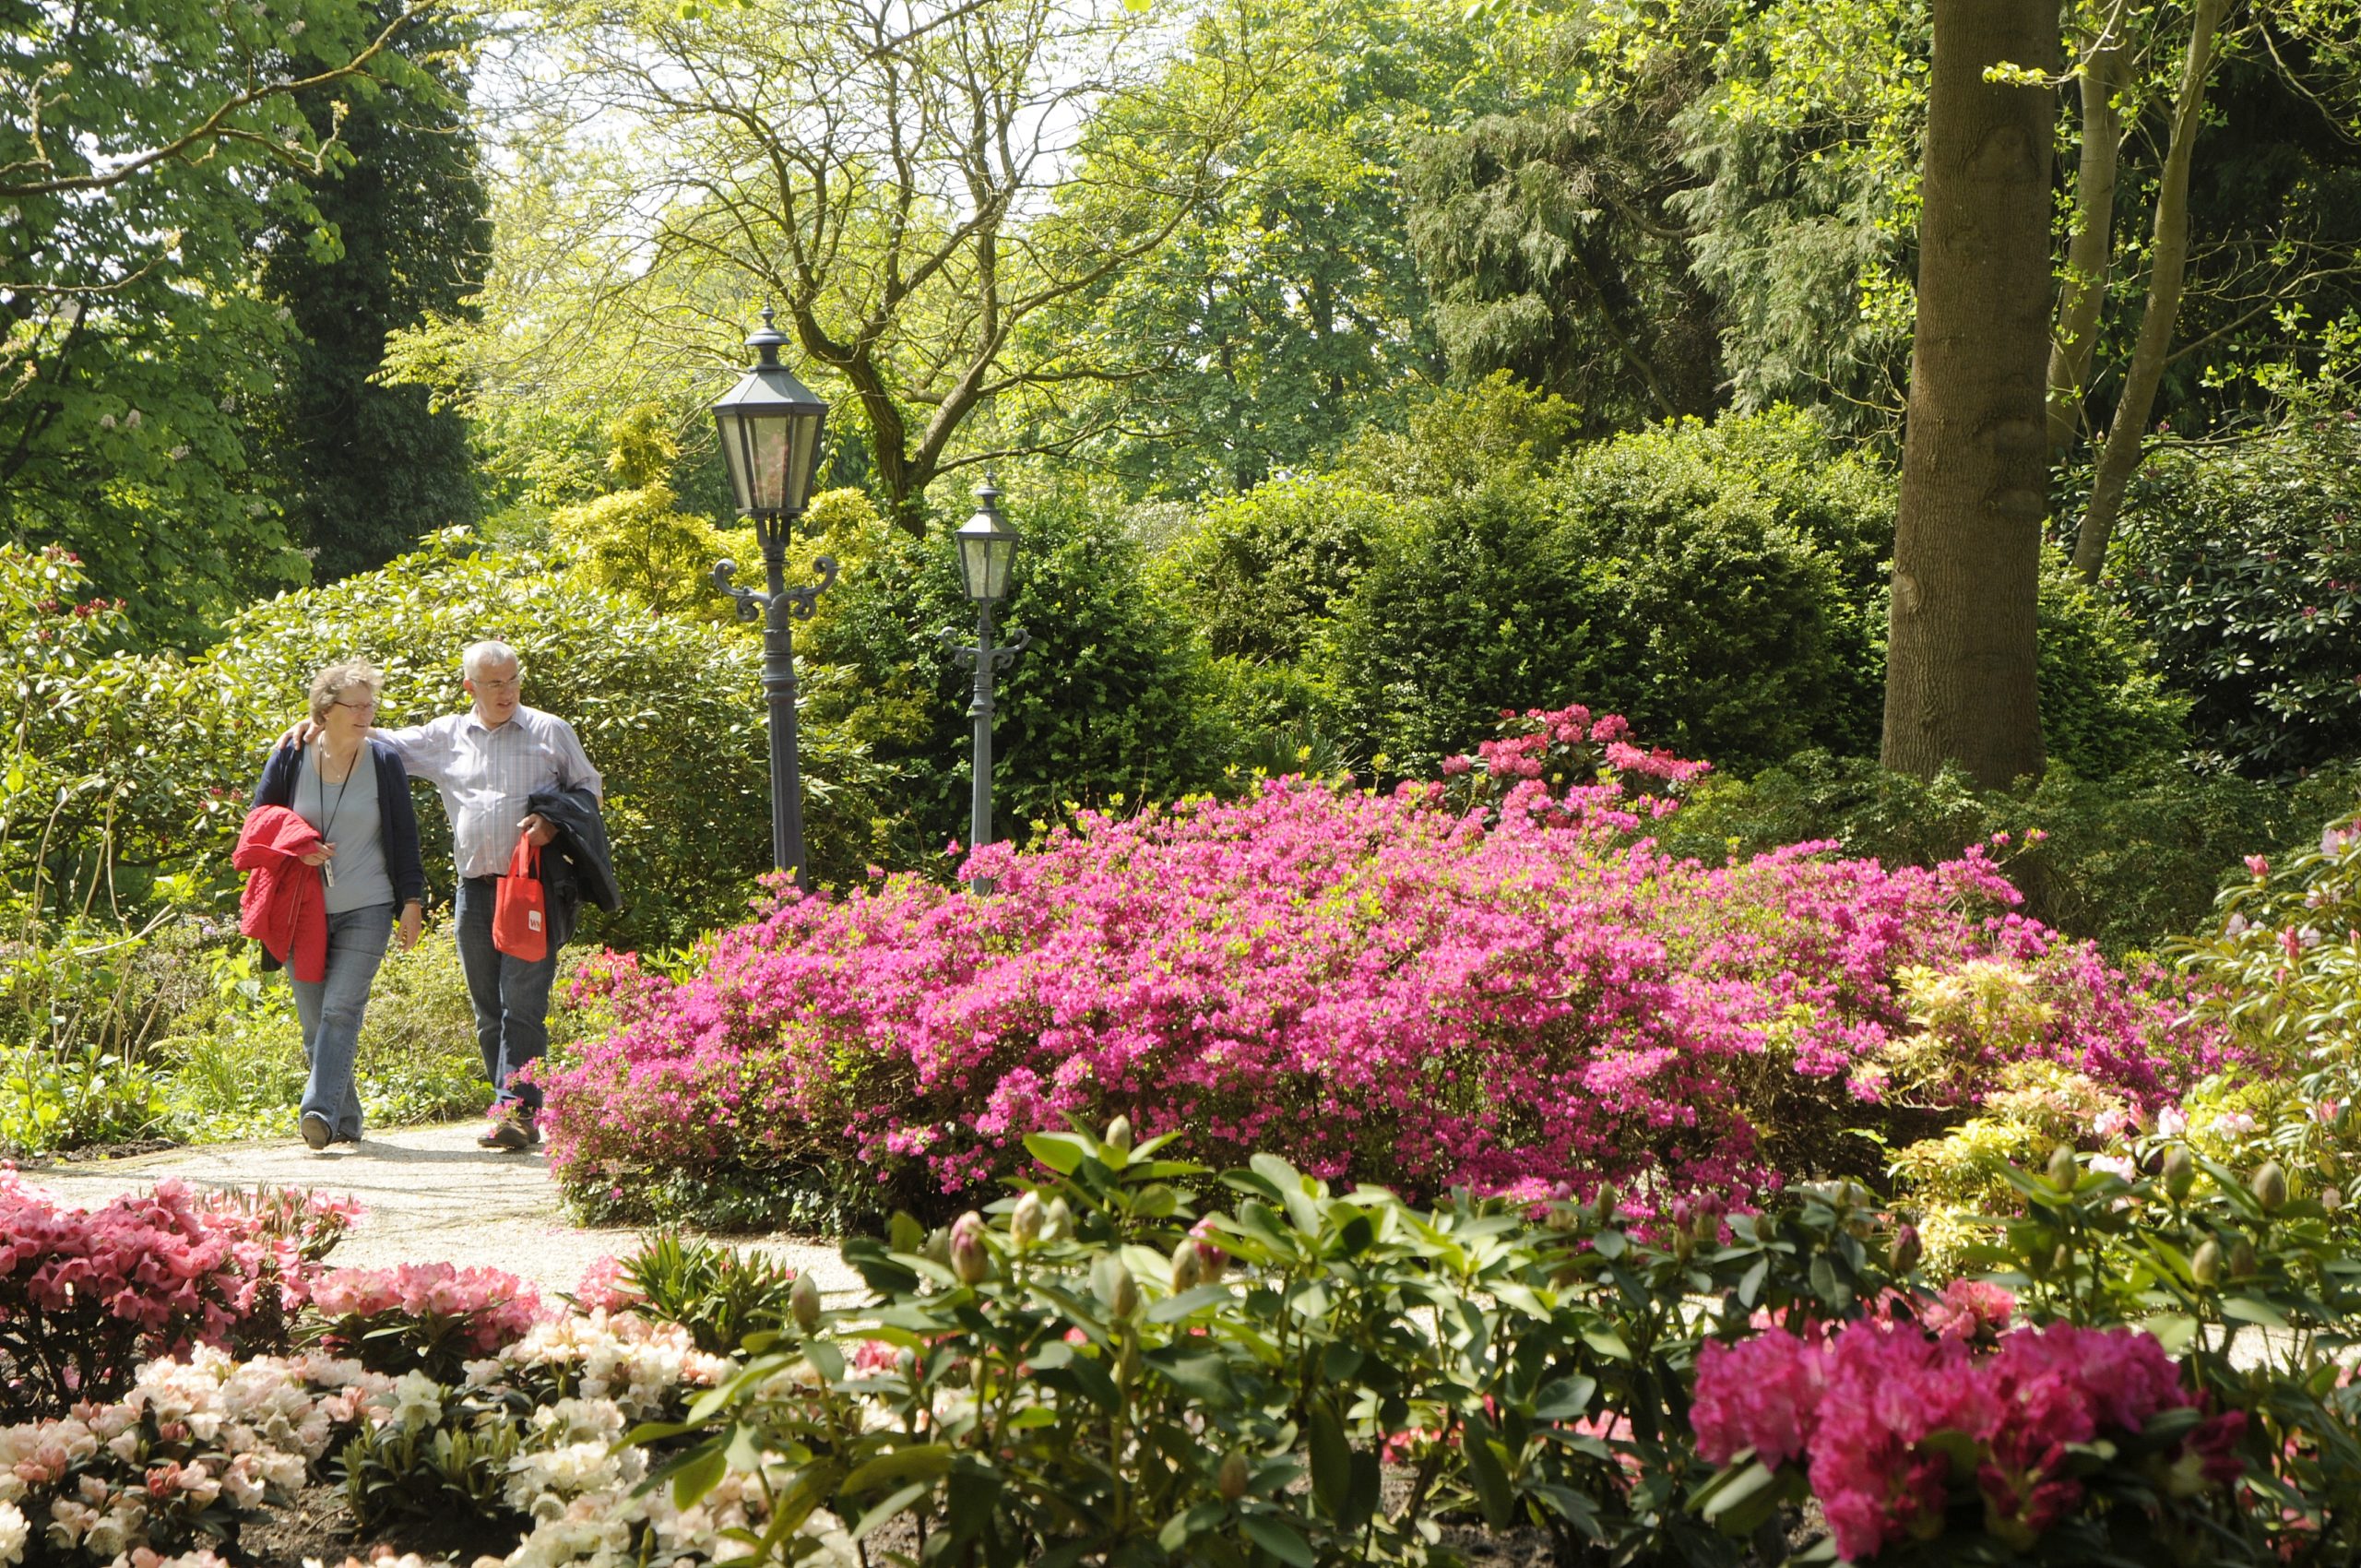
(397, 822)
(577, 864)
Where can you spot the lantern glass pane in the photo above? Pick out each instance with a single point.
(768, 444)
(733, 457)
(973, 570)
(802, 459)
(1000, 554)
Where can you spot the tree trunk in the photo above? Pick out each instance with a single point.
(2090, 253)
(1961, 655)
(2168, 269)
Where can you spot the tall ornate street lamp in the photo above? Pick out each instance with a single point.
(986, 552)
(770, 439)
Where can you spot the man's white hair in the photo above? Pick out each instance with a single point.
(478, 655)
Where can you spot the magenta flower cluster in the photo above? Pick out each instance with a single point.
(86, 1294)
(1496, 978)
(1895, 1425)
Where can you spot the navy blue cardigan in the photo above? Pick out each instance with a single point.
(397, 823)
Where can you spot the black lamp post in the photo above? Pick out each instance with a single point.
(770, 439)
(987, 552)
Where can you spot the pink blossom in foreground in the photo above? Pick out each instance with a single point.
(1860, 1408)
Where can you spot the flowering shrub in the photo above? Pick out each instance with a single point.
(1898, 1427)
(522, 1444)
(2285, 963)
(86, 1294)
(1494, 979)
(170, 1466)
(431, 1317)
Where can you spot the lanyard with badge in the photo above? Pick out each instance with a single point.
(320, 784)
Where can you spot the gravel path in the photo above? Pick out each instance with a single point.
(430, 1194)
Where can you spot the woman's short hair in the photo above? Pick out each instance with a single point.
(331, 685)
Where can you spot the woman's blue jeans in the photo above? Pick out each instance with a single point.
(330, 1013)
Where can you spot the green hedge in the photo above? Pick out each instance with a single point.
(2242, 565)
(1112, 704)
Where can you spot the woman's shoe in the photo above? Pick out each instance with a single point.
(317, 1133)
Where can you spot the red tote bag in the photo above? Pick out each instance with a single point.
(520, 925)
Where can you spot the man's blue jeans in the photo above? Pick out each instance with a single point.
(511, 997)
(330, 1010)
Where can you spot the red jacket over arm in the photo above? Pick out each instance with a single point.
(284, 907)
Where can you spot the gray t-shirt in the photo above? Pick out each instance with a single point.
(346, 816)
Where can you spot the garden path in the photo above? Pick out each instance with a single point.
(429, 1195)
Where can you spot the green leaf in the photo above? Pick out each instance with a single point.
(1565, 1400)
(928, 1461)
(1203, 1376)
(1274, 1535)
(1486, 1472)
(699, 1475)
(1738, 1500)
(1332, 1460)
(1061, 1152)
(893, 1504)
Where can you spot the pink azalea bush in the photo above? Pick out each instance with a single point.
(1895, 1425)
(86, 1294)
(1496, 979)
(432, 1315)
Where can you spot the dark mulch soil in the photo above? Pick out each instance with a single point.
(125, 1150)
(318, 1525)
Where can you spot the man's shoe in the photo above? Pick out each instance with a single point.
(316, 1131)
(512, 1134)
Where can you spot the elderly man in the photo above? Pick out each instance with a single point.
(488, 764)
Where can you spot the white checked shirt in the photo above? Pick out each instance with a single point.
(486, 775)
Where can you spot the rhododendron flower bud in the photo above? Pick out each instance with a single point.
(2243, 1262)
(1905, 1252)
(1561, 1217)
(970, 1259)
(2269, 1187)
(2205, 1267)
(1212, 1257)
(2180, 1171)
(1119, 1134)
(1231, 1479)
(1188, 1270)
(2062, 1166)
(1114, 1285)
(804, 1302)
(2331, 1200)
(1057, 1221)
(1025, 1220)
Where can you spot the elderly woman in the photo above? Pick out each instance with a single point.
(354, 794)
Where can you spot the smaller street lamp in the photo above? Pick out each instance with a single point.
(770, 426)
(987, 554)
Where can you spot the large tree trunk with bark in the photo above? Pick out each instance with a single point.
(2168, 271)
(1961, 649)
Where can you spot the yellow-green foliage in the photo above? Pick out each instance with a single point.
(636, 540)
(1986, 1009)
(1953, 1178)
